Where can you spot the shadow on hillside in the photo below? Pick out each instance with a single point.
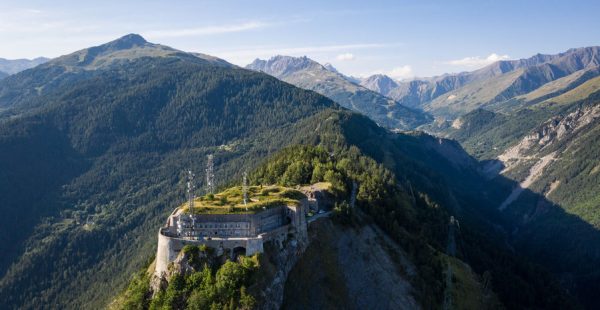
(537, 228)
(562, 242)
(28, 185)
(531, 225)
(542, 231)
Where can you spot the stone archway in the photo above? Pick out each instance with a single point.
(237, 251)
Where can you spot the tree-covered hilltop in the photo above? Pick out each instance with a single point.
(411, 219)
(412, 204)
(378, 193)
(414, 219)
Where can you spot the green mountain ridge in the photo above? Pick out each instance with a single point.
(23, 91)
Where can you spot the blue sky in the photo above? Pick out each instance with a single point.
(399, 38)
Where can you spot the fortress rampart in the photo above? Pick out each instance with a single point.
(229, 232)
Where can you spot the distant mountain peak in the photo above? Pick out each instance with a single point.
(380, 83)
(280, 65)
(125, 48)
(133, 37)
(330, 67)
(126, 42)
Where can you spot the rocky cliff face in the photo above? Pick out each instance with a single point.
(528, 160)
(555, 130)
(452, 95)
(351, 268)
(281, 66)
(284, 259)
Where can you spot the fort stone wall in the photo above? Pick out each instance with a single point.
(225, 232)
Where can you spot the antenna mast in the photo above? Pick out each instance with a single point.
(245, 188)
(190, 190)
(210, 175)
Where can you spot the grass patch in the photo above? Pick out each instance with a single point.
(232, 201)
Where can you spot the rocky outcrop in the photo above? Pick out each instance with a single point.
(556, 129)
(319, 197)
(181, 265)
(284, 260)
(539, 149)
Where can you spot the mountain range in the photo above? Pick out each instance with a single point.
(452, 95)
(95, 144)
(308, 74)
(12, 66)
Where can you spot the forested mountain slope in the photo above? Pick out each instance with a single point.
(559, 159)
(27, 89)
(98, 164)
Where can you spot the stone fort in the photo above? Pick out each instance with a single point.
(243, 233)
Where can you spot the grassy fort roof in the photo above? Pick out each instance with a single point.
(231, 200)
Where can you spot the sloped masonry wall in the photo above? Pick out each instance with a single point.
(293, 223)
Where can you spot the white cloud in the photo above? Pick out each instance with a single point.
(398, 73)
(402, 72)
(202, 31)
(345, 56)
(477, 61)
